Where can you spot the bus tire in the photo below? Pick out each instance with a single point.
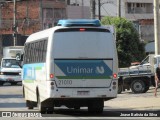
(50, 110)
(77, 107)
(13, 83)
(30, 108)
(138, 86)
(96, 106)
(1, 83)
(41, 109)
(23, 92)
(29, 104)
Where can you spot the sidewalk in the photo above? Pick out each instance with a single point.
(128, 100)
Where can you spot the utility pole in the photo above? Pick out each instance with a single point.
(92, 6)
(99, 9)
(14, 24)
(41, 14)
(82, 8)
(119, 8)
(156, 26)
(27, 9)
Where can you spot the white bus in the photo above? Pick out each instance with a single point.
(73, 64)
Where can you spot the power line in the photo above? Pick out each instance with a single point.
(106, 11)
(100, 4)
(14, 23)
(92, 6)
(123, 6)
(118, 8)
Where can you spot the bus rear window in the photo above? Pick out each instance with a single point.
(86, 44)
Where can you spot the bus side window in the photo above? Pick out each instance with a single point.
(31, 53)
(41, 51)
(25, 53)
(34, 52)
(44, 50)
(38, 52)
(28, 54)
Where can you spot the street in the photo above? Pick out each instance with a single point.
(126, 103)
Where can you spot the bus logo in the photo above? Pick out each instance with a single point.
(100, 70)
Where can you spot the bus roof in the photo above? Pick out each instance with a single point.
(41, 34)
(63, 24)
(79, 22)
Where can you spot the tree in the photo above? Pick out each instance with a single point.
(129, 47)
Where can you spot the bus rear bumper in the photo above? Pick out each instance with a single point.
(72, 102)
(84, 93)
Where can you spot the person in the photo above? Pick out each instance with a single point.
(157, 79)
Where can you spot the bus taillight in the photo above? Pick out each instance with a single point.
(114, 75)
(51, 75)
(82, 29)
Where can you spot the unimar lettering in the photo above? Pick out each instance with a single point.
(79, 70)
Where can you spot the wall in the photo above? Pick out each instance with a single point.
(146, 29)
(77, 12)
(29, 15)
(29, 19)
(108, 7)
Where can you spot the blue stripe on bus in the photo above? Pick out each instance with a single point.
(84, 67)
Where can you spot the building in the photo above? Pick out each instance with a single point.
(140, 12)
(77, 10)
(108, 7)
(31, 16)
(35, 15)
(139, 9)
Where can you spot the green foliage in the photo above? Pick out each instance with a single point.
(129, 47)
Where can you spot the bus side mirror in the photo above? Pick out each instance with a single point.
(19, 57)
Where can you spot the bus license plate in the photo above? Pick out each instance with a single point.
(82, 92)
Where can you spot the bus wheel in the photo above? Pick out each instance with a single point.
(138, 86)
(1, 82)
(29, 104)
(42, 109)
(13, 83)
(50, 110)
(96, 106)
(23, 92)
(30, 107)
(77, 108)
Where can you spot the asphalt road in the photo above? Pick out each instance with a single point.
(125, 105)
